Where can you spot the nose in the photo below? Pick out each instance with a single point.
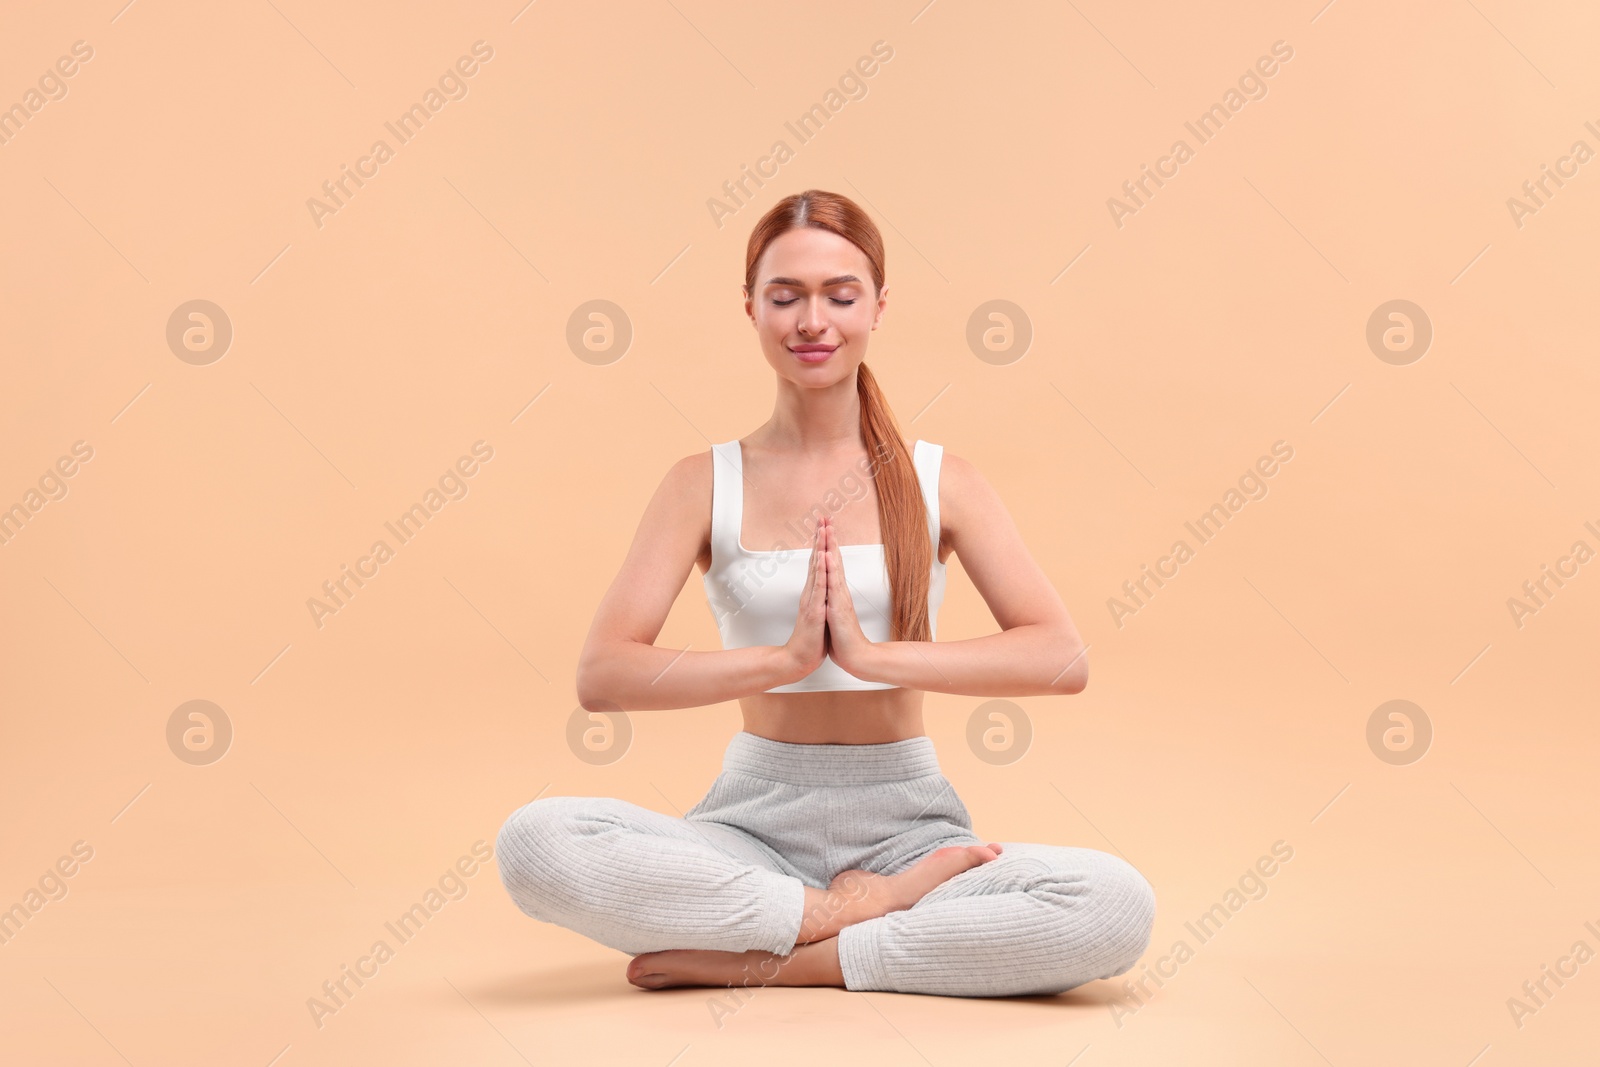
(811, 322)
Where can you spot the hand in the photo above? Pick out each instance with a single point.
(847, 644)
(808, 643)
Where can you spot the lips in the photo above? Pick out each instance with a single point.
(813, 353)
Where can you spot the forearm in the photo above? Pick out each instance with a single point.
(1033, 660)
(631, 676)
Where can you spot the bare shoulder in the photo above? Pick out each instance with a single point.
(972, 516)
(678, 516)
(691, 473)
(668, 541)
(691, 476)
(955, 471)
(687, 485)
(959, 483)
(980, 529)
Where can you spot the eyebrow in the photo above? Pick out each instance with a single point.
(840, 280)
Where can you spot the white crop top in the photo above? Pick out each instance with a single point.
(755, 596)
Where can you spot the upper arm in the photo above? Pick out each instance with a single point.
(671, 535)
(981, 531)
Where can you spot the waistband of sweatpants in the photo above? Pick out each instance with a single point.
(794, 764)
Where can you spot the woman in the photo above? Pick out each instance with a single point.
(830, 850)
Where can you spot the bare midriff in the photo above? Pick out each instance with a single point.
(841, 717)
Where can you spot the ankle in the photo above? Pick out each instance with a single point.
(856, 896)
(827, 911)
(820, 919)
(814, 964)
(902, 894)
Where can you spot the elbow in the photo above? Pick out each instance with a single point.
(600, 679)
(592, 685)
(1075, 678)
(590, 700)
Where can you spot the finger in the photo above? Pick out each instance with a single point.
(836, 575)
(821, 554)
(834, 569)
(816, 591)
(822, 550)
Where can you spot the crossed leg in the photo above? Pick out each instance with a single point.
(700, 904)
(659, 887)
(639, 881)
(1037, 919)
(854, 896)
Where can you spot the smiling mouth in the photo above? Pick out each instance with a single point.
(813, 355)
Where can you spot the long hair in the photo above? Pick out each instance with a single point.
(902, 512)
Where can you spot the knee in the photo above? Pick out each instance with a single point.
(529, 849)
(1127, 912)
(1106, 914)
(533, 825)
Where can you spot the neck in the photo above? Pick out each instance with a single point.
(816, 421)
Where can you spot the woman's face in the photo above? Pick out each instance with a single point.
(813, 306)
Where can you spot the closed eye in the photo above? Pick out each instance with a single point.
(792, 299)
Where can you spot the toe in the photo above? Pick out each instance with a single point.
(645, 972)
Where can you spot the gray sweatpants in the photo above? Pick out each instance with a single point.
(729, 875)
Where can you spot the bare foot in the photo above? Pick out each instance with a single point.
(902, 890)
(811, 964)
(853, 896)
(867, 895)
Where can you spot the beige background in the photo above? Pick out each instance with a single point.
(431, 311)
